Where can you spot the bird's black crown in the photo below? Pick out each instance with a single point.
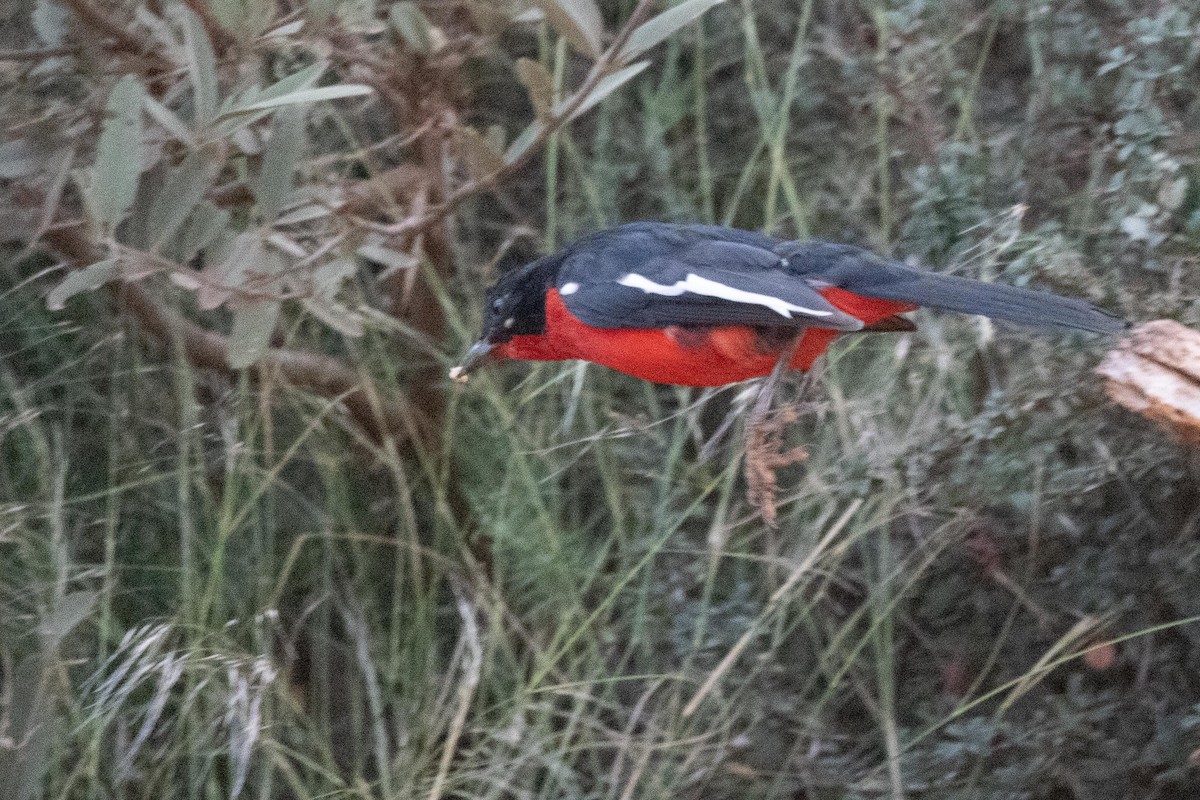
(516, 304)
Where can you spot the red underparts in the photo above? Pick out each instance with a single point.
(685, 356)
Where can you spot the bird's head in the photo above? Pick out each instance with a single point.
(514, 306)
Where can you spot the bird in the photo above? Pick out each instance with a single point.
(707, 305)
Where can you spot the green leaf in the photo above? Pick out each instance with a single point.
(336, 316)
(184, 188)
(304, 79)
(251, 334)
(539, 83)
(659, 28)
(18, 159)
(201, 228)
(292, 83)
(50, 22)
(170, 120)
(32, 727)
(229, 273)
(88, 279)
(414, 28)
(300, 97)
(477, 152)
(328, 278)
(71, 610)
(577, 21)
(523, 141)
(202, 66)
(279, 162)
(119, 154)
(391, 260)
(245, 18)
(607, 85)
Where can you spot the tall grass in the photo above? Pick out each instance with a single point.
(212, 589)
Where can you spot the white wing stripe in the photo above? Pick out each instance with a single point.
(709, 288)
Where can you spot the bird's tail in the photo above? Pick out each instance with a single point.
(863, 273)
(1003, 302)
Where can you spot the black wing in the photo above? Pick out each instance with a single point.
(651, 275)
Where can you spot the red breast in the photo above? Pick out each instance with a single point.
(685, 357)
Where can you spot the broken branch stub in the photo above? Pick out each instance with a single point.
(1155, 372)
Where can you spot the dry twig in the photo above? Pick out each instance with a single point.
(764, 442)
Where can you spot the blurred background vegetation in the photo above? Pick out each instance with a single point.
(252, 544)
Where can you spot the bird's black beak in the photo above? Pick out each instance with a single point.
(475, 358)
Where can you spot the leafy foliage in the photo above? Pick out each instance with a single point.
(220, 582)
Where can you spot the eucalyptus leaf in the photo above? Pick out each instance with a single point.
(297, 81)
(285, 30)
(18, 159)
(606, 86)
(414, 27)
(577, 21)
(50, 22)
(246, 18)
(336, 316)
(72, 609)
(300, 97)
(524, 141)
(538, 83)
(302, 79)
(118, 154)
(328, 278)
(477, 152)
(279, 162)
(88, 279)
(251, 334)
(32, 726)
(201, 228)
(184, 188)
(386, 257)
(170, 120)
(244, 254)
(662, 26)
(202, 66)
(304, 213)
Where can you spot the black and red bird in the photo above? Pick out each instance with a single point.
(703, 305)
